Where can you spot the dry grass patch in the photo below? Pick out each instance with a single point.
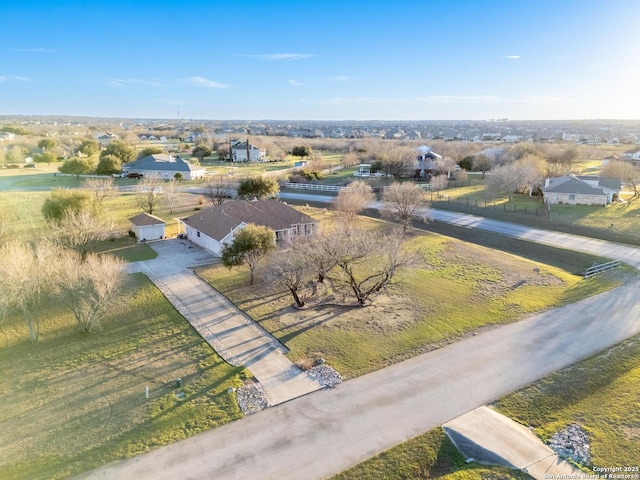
(77, 401)
(460, 289)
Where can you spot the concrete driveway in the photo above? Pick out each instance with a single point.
(231, 333)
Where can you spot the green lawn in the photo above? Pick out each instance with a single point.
(600, 393)
(430, 455)
(73, 402)
(461, 288)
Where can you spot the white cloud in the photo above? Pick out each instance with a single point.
(2, 78)
(434, 99)
(281, 56)
(512, 57)
(20, 79)
(204, 82)
(295, 83)
(114, 82)
(34, 50)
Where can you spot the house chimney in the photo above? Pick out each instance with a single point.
(546, 182)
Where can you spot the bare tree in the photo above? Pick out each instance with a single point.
(26, 278)
(527, 172)
(88, 286)
(290, 269)
(397, 161)
(217, 189)
(149, 194)
(353, 199)
(625, 171)
(80, 229)
(482, 163)
(439, 183)
(101, 189)
(401, 201)
(349, 160)
(367, 261)
(171, 192)
(314, 250)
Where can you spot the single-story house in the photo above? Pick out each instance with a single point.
(240, 153)
(214, 227)
(633, 154)
(581, 190)
(106, 138)
(164, 166)
(147, 227)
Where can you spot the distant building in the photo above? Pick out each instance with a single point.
(164, 166)
(105, 139)
(240, 153)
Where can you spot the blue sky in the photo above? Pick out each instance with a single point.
(329, 60)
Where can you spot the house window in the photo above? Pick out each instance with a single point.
(572, 197)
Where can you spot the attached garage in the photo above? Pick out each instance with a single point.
(147, 227)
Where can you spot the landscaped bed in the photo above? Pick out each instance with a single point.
(460, 289)
(73, 402)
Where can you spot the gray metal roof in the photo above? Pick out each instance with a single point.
(161, 162)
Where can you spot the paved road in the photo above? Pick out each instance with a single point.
(627, 254)
(316, 436)
(233, 335)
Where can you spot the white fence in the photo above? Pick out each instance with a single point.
(596, 269)
(311, 186)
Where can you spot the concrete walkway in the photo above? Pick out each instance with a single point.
(232, 334)
(490, 438)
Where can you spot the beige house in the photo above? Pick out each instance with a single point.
(215, 227)
(581, 190)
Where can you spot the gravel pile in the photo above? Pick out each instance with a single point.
(251, 398)
(573, 443)
(327, 376)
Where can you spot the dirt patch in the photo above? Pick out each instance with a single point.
(387, 313)
(502, 274)
(632, 433)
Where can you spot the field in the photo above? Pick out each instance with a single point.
(461, 288)
(75, 401)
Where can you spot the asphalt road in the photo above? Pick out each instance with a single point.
(316, 436)
(593, 246)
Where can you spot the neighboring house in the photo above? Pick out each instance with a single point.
(239, 153)
(427, 161)
(581, 190)
(217, 226)
(164, 166)
(632, 155)
(147, 227)
(7, 136)
(105, 139)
